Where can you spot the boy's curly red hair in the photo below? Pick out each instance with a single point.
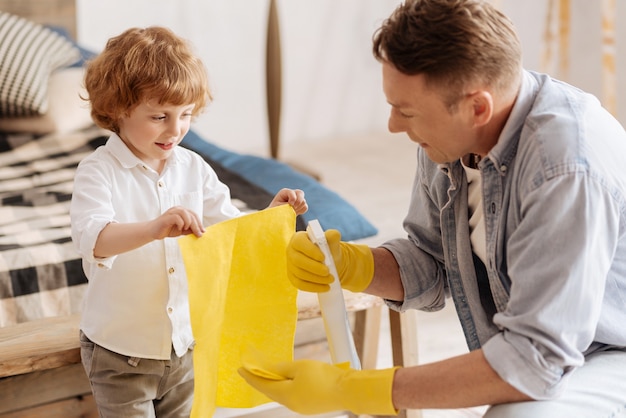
(143, 64)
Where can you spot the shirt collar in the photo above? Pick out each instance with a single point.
(504, 150)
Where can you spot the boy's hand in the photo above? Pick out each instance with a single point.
(295, 197)
(176, 221)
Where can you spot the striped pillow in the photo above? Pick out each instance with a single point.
(29, 52)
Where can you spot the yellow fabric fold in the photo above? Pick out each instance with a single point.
(239, 297)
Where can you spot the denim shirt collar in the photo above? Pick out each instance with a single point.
(505, 149)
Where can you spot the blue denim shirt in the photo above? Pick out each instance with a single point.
(554, 197)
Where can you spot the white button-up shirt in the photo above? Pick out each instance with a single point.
(136, 303)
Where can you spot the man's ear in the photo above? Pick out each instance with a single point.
(481, 103)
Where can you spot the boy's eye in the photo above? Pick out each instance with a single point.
(158, 117)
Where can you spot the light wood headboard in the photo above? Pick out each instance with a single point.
(51, 12)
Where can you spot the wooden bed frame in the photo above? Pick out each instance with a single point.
(50, 12)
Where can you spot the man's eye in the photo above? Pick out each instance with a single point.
(401, 113)
(158, 117)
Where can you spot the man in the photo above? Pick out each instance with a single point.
(518, 212)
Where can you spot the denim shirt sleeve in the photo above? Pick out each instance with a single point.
(420, 256)
(558, 258)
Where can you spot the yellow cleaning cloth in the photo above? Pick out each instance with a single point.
(239, 297)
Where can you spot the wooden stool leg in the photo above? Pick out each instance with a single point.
(367, 335)
(403, 330)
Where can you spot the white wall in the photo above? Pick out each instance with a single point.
(331, 83)
(584, 50)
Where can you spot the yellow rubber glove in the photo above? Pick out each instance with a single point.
(307, 271)
(314, 387)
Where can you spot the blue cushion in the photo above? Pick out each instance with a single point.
(330, 209)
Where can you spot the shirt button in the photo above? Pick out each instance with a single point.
(100, 265)
(170, 310)
(171, 270)
(160, 184)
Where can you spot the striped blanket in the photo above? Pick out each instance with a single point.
(41, 274)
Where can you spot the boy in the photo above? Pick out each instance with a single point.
(131, 195)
